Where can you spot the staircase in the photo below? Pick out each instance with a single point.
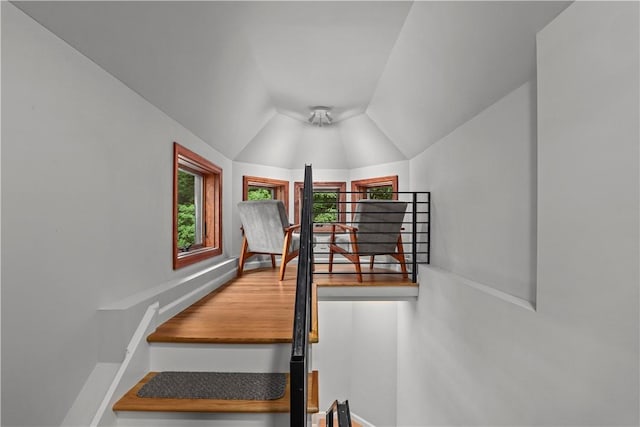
(245, 326)
(253, 325)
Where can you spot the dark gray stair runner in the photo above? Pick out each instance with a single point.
(215, 385)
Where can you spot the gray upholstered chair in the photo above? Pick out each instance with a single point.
(267, 231)
(375, 230)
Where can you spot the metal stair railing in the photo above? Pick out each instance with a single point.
(415, 232)
(299, 362)
(341, 412)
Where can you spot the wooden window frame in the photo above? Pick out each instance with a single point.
(340, 186)
(280, 188)
(185, 159)
(359, 187)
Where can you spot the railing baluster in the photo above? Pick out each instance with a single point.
(414, 239)
(341, 410)
(420, 223)
(303, 304)
(429, 228)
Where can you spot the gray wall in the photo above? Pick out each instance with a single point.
(86, 212)
(85, 161)
(482, 179)
(467, 357)
(356, 357)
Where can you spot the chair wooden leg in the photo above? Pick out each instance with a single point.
(285, 260)
(273, 261)
(285, 255)
(332, 241)
(330, 259)
(355, 257)
(371, 262)
(401, 259)
(243, 256)
(358, 270)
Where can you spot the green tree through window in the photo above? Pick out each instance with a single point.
(380, 193)
(186, 210)
(325, 206)
(328, 200)
(259, 193)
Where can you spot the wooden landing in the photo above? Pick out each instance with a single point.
(131, 402)
(345, 275)
(254, 308)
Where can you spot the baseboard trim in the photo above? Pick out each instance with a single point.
(520, 302)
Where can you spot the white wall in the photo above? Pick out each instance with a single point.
(400, 168)
(1, 9)
(331, 356)
(482, 179)
(86, 212)
(374, 362)
(356, 357)
(466, 357)
(320, 174)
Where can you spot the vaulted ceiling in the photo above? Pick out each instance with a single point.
(243, 75)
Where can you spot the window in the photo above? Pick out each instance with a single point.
(382, 188)
(256, 188)
(329, 201)
(197, 208)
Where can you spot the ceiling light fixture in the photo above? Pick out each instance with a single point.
(320, 116)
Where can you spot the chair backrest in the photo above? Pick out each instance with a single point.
(263, 222)
(379, 223)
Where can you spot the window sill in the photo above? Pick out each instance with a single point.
(184, 259)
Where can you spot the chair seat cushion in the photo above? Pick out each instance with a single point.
(295, 242)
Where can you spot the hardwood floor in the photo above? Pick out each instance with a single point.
(131, 401)
(255, 308)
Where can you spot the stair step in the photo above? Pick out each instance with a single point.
(256, 308)
(202, 419)
(131, 402)
(220, 357)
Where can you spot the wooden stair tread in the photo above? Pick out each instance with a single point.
(255, 308)
(131, 402)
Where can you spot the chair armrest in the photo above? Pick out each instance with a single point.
(291, 228)
(344, 227)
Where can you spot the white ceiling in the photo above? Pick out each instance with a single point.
(242, 75)
(322, 53)
(453, 60)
